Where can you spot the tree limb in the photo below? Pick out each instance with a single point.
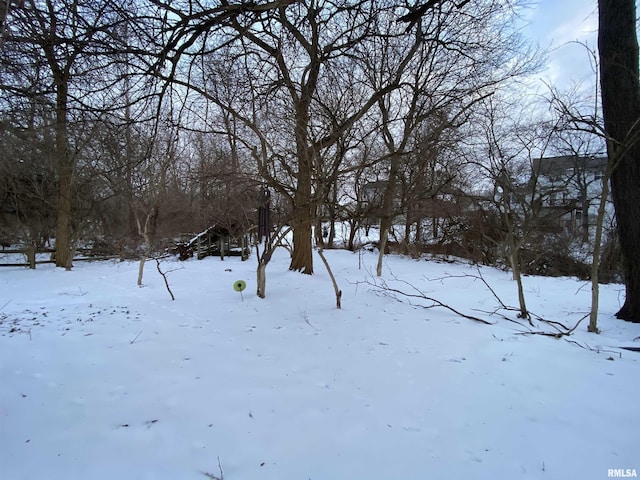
(383, 286)
(333, 279)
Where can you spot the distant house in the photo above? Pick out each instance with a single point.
(372, 193)
(569, 188)
(561, 192)
(371, 199)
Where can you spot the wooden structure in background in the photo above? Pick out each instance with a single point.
(215, 240)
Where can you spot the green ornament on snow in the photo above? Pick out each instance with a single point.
(239, 285)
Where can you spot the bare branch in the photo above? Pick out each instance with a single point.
(333, 279)
(164, 276)
(384, 287)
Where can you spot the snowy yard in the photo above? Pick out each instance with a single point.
(100, 379)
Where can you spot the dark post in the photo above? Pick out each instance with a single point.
(31, 256)
(264, 215)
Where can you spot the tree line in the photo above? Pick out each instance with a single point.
(126, 123)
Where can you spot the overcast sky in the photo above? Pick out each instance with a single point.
(555, 25)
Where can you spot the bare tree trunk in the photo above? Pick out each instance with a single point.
(418, 237)
(584, 221)
(385, 225)
(333, 213)
(261, 277)
(302, 259)
(143, 260)
(514, 243)
(353, 229)
(620, 87)
(318, 233)
(147, 235)
(386, 217)
(63, 222)
(517, 276)
(332, 233)
(144, 232)
(407, 229)
(263, 260)
(597, 246)
(65, 176)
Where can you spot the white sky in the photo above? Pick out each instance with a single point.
(556, 25)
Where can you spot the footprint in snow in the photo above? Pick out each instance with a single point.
(456, 359)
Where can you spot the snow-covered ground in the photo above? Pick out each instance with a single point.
(100, 379)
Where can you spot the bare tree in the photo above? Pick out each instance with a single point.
(430, 175)
(455, 67)
(150, 190)
(27, 194)
(512, 142)
(5, 6)
(289, 57)
(64, 42)
(583, 136)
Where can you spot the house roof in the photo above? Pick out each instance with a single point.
(558, 166)
(377, 185)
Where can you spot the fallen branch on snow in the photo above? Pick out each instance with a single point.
(385, 288)
(561, 329)
(597, 350)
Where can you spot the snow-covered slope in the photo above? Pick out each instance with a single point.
(100, 379)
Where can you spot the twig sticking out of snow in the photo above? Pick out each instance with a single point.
(333, 279)
(164, 276)
(134, 340)
(214, 477)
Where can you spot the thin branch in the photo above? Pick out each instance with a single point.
(214, 477)
(597, 350)
(333, 279)
(164, 276)
(561, 329)
(136, 338)
(436, 303)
